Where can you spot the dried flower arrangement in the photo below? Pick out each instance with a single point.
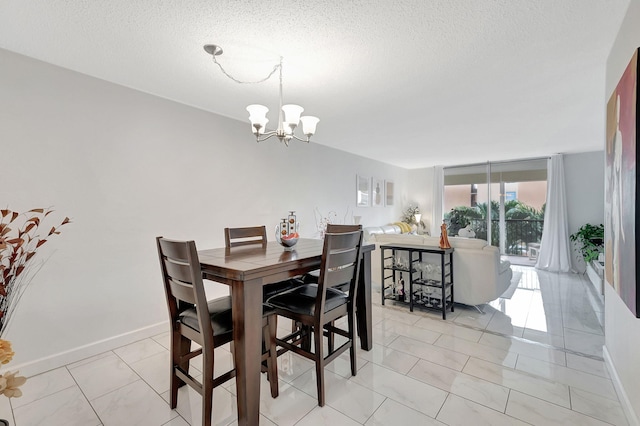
(409, 215)
(19, 240)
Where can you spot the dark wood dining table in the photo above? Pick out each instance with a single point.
(246, 269)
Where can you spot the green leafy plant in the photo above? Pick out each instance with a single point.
(590, 240)
(459, 217)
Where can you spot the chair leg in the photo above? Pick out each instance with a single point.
(331, 338)
(183, 349)
(207, 391)
(180, 346)
(306, 339)
(319, 364)
(352, 348)
(272, 361)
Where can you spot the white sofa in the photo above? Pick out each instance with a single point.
(479, 275)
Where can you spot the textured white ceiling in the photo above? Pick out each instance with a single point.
(413, 83)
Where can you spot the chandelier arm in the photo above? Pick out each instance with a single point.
(266, 136)
(308, 139)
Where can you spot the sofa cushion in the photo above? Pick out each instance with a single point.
(370, 231)
(399, 239)
(431, 241)
(405, 228)
(391, 229)
(472, 243)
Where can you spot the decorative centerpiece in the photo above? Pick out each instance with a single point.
(444, 238)
(287, 231)
(19, 240)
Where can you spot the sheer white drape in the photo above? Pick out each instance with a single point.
(438, 196)
(555, 252)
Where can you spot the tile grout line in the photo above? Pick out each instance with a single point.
(510, 336)
(84, 395)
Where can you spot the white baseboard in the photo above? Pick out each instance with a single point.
(632, 418)
(51, 362)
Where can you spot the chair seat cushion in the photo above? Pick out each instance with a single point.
(313, 277)
(302, 299)
(219, 312)
(276, 288)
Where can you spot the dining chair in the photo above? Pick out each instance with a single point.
(312, 277)
(234, 237)
(316, 306)
(208, 323)
(254, 235)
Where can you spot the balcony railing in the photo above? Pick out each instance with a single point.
(519, 232)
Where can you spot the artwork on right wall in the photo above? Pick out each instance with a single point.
(621, 210)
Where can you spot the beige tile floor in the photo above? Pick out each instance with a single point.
(535, 358)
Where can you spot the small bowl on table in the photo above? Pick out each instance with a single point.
(288, 241)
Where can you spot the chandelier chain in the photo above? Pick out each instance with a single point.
(273, 71)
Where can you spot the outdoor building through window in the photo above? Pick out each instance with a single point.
(502, 202)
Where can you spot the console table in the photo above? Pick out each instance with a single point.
(423, 289)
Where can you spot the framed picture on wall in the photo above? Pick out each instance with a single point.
(388, 193)
(377, 190)
(363, 191)
(621, 183)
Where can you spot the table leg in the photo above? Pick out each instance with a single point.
(363, 303)
(247, 341)
(443, 284)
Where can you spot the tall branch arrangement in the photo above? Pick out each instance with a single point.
(19, 240)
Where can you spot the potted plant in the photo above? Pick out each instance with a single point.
(457, 219)
(590, 241)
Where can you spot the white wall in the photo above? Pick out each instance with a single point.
(584, 185)
(126, 167)
(421, 189)
(622, 329)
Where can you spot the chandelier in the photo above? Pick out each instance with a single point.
(288, 115)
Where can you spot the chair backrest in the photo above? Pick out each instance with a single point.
(183, 284)
(340, 265)
(337, 229)
(245, 236)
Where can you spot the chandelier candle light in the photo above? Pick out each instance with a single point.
(288, 115)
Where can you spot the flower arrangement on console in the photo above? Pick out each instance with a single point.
(409, 215)
(19, 241)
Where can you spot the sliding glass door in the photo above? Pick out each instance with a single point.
(501, 202)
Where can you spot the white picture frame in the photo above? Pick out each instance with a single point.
(363, 191)
(389, 193)
(377, 192)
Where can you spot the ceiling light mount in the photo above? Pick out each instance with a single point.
(213, 49)
(288, 115)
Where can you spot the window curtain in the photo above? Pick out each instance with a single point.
(555, 253)
(438, 195)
